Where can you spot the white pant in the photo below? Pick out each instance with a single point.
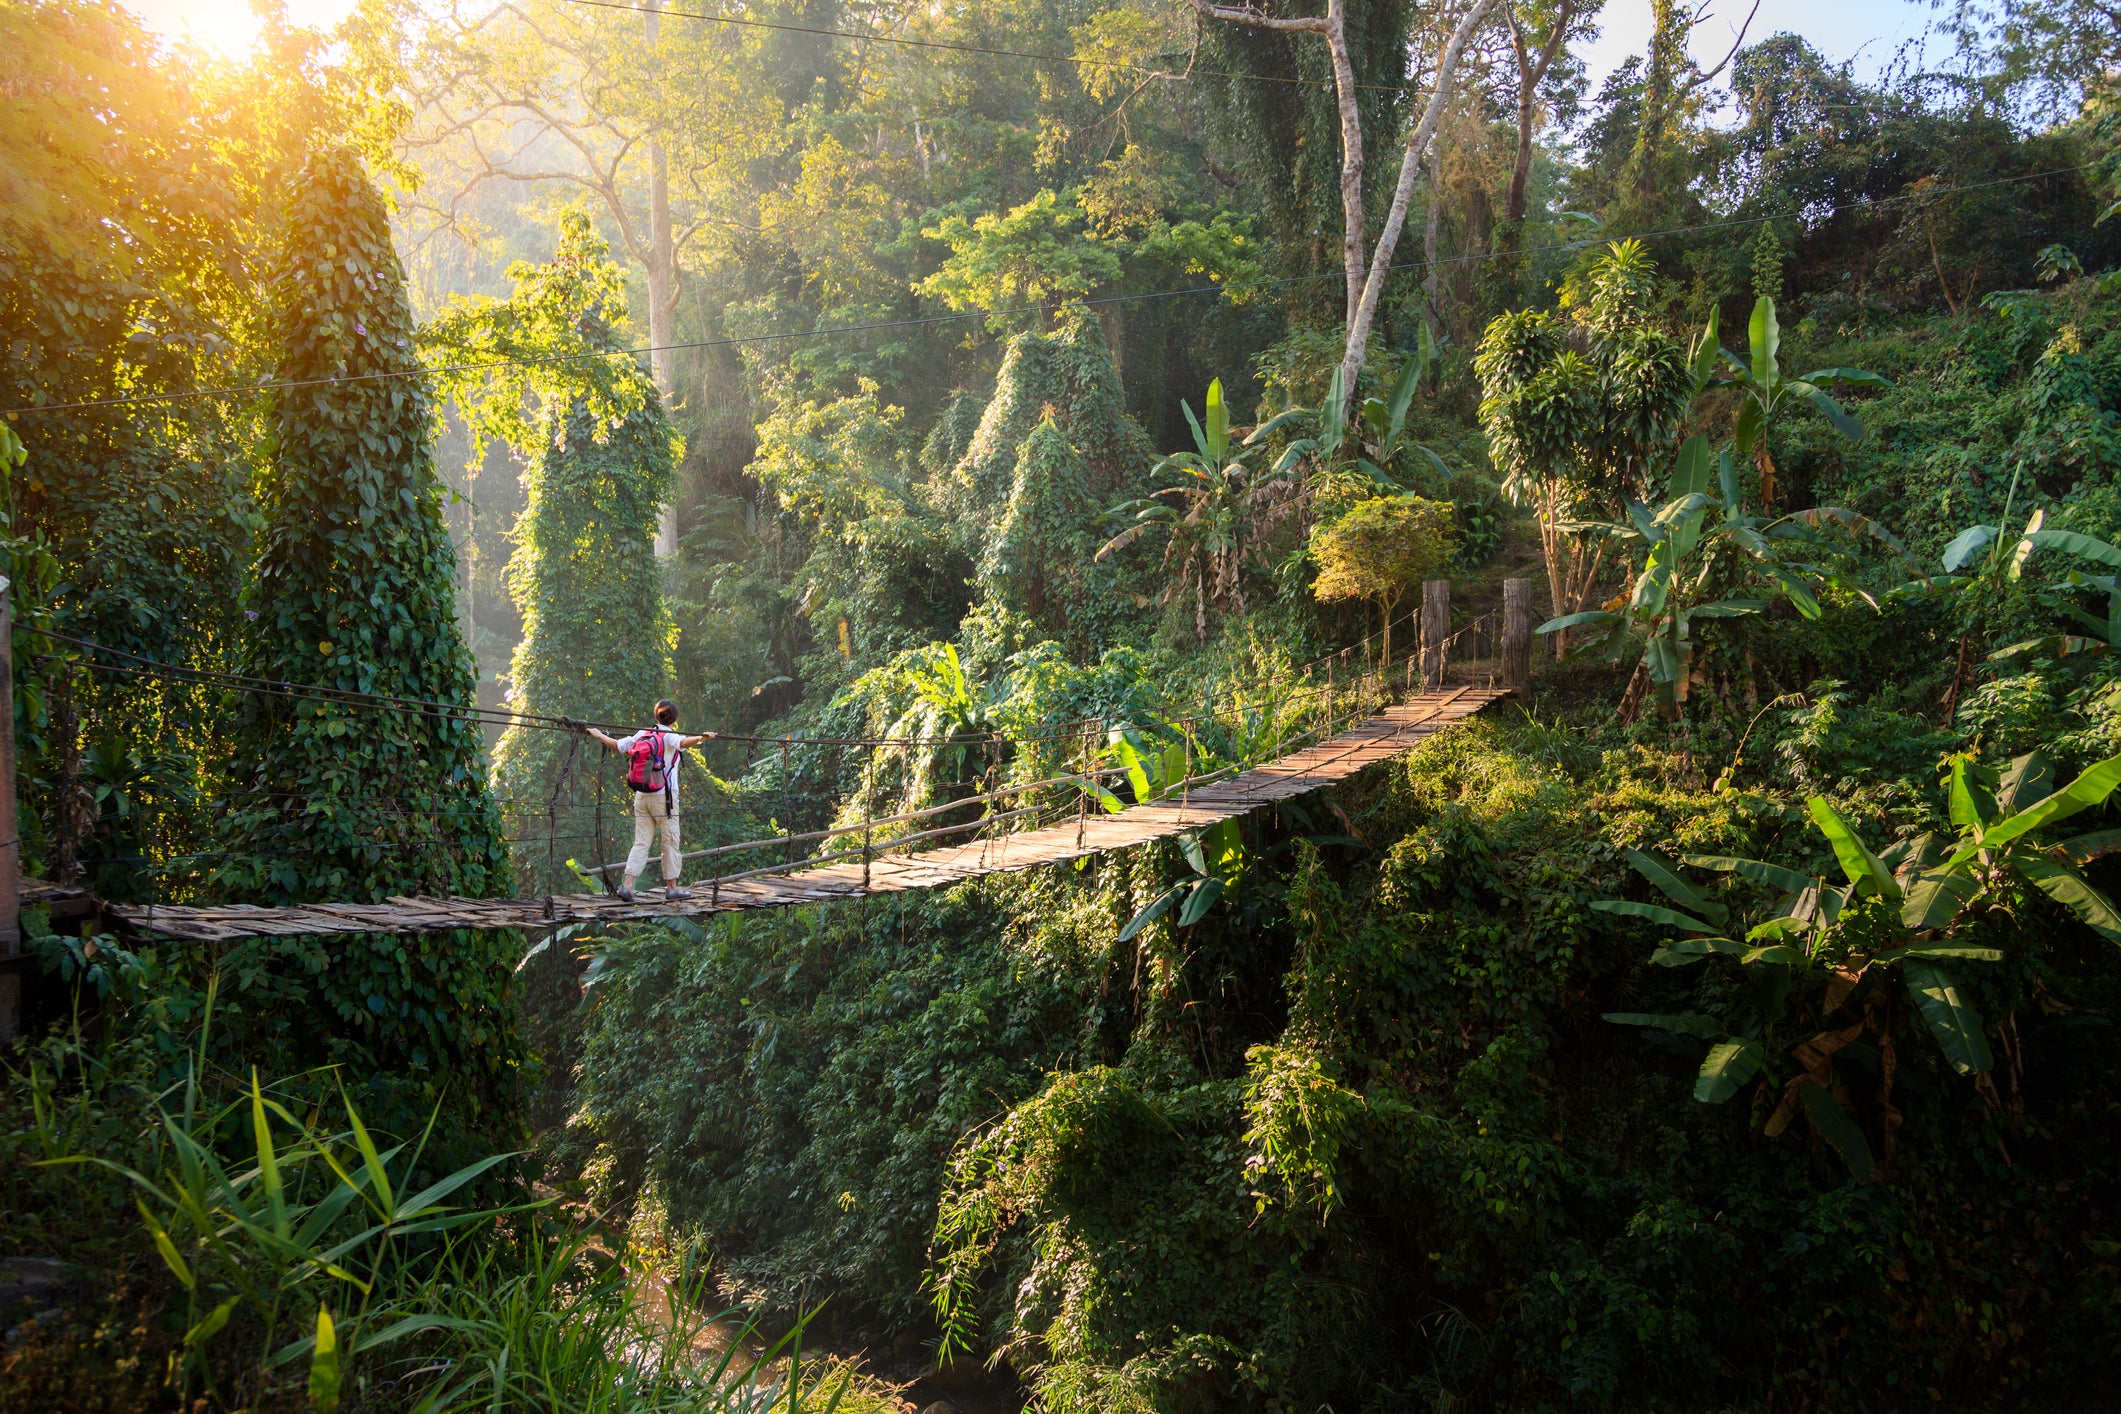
(652, 815)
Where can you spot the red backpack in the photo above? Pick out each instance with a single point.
(648, 771)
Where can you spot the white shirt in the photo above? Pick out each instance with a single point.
(672, 756)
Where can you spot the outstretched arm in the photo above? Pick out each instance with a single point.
(684, 742)
(610, 741)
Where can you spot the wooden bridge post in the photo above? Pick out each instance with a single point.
(1517, 634)
(10, 831)
(1435, 628)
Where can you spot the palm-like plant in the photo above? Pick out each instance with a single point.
(1766, 392)
(1911, 910)
(1213, 513)
(1697, 549)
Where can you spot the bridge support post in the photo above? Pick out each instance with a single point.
(1517, 634)
(1435, 628)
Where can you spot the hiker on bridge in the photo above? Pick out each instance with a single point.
(652, 757)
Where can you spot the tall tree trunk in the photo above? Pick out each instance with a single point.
(1396, 218)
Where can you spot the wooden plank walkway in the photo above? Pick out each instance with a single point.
(1394, 730)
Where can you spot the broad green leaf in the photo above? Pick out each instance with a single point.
(1668, 657)
(1864, 869)
(1973, 793)
(1783, 927)
(1403, 393)
(1757, 870)
(1189, 846)
(1675, 888)
(2057, 646)
(1689, 1023)
(1590, 616)
(2066, 886)
(1200, 437)
(1727, 480)
(1779, 953)
(1156, 909)
(1967, 546)
(1950, 1017)
(2071, 543)
(1936, 898)
(1691, 950)
(1747, 431)
(1796, 590)
(1654, 912)
(2091, 788)
(1834, 1126)
(1218, 422)
(1962, 952)
(1691, 471)
(1727, 1067)
(324, 1366)
(1203, 898)
(1847, 377)
(1765, 336)
(1727, 609)
(1708, 347)
(2028, 780)
(1849, 427)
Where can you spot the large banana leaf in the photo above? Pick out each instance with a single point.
(1756, 869)
(2091, 788)
(1677, 889)
(1951, 1018)
(1967, 546)
(2066, 886)
(1654, 912)
(1765, 336)
(1728, 1066)
(2070, 542)
(1936, 898)
(1864, 869)
(1691, 471)
(1973, 793)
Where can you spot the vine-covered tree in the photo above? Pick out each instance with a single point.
(1041, 550)
(549, 375)
(353, 589)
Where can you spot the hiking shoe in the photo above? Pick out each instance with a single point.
(675, 892)
(623, 894)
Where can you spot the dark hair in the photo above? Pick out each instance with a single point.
(666, 713)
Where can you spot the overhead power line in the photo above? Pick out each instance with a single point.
(1048, 307)
(955, 47)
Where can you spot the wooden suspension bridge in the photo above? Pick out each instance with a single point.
(1394, 730)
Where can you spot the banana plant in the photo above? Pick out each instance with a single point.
(2102, 635)
(1217, 858)
(1361, 450)
(1212, 514)
(1911, 909)
(1694, 550)
(1766, 393)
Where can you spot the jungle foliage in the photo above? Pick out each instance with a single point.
(1750, 1051)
